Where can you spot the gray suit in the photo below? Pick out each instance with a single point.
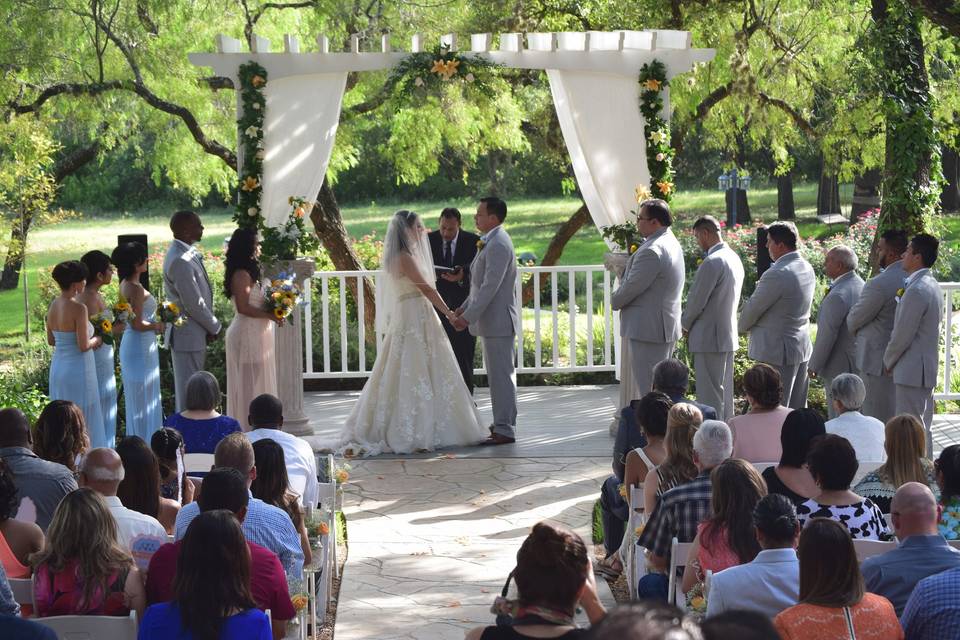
(710, 320)
(649, 302)
(185, 282)
(913, 353)
(870, 321)
(835, 352)
(777, 316)
(493, 315)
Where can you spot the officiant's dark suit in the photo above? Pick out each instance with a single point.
(459, 252)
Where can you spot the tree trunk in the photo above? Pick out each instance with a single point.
(950, 197)
(828, 194)
(786, 210)
(564, 233)
(866, 194)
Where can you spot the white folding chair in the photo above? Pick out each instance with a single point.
(868, 548)
(888, 518)
(197, 462)
(92, 627)
(22, 590)
(678, 560)
(954, 543)
(634, 567)
(707, 579)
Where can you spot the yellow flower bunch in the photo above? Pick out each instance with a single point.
(642, 193)
(446, 69)
(633, 249)
(250, 183)
(652, 84)
(258, 81)
(665, 187)
(299, 601)
(106, 325)
(171, 314)
(341, 476)
(623, 490)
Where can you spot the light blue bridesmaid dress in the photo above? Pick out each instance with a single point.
(107, 379)
(140, 371)
(73, 377)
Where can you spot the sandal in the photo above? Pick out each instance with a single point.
(605, 571)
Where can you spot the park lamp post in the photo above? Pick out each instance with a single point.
(733, 180)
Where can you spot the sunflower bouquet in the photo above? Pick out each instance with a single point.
(103, 325)
(282, 295)
(122, 312)
(170, 313)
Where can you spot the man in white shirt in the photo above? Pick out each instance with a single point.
(102, 471)
(865, 433)
(266, 420)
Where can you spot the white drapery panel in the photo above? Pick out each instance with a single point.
(600, 118)
(299, 129)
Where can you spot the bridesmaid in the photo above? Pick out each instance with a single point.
(251, 367)
(73, 370)
(139, 358)
(99, 273)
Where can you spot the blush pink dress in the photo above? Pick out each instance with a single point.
(251, 364)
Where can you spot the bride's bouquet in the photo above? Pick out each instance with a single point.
(103, 325)
(170, 314)
(282, 295)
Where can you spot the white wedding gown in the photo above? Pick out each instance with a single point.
(415, 398)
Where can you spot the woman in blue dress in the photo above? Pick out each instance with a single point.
(139, 358)
(73, 370)
(99, 273)
(200, 423)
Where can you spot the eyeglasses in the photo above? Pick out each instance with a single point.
(639, 218)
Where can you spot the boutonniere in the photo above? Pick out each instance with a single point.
(481, 244)
(900, 293)
(632, 250)
(699, 261)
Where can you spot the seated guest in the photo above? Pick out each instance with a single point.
(678, 467)
(201, 424)
(933, 610)
(905, 445)
(18, 540)
(265, 524)
(11, 624)
(756, 434)
(649, 620)
(833, 603)
(947, 469)
(41, 484)
(727, 538)
(833, 464)
(771, 582)
(266, 421)
(102, 471)
(672, 377)
(790, 477)
(60, 434)
(865, 433)
(922, 551)
(140, 488)
(167, 445)
(553, 577)
(741, 624)
(82, 569)
(273, 487)
(211, 590)
(226, 489)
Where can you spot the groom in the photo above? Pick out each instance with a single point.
(185, 283)
(491, 313)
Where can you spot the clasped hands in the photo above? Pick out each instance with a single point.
(456, 320)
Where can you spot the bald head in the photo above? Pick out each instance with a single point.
(102, 471)
(915, 511)
(14, 428)
(840, 260)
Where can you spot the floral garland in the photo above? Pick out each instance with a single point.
(653, 80)
(253, 78)
(430, 71)
(292, 237)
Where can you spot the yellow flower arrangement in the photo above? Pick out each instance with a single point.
(106, 325)
(250, 183)
(299, 601)
(341, 476)
(642, 193)
(279, 313)
(652, 84)
(697, 603)
(665, 187)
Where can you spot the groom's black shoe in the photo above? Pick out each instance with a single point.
(496, 439)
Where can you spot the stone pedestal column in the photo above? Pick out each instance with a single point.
(616, 263)
(289, 353)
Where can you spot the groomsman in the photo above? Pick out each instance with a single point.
(709, 319)
(834, 352)
(913, 353)
(649, 293)
(777, 315)
(870, 321)
(452, 246)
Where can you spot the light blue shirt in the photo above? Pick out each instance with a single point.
(895, 574)
(768, 585)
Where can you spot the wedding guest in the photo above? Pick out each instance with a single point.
(18, 540)
(273, 487)
(933, 610)
(266, 422)
(728, 537)
(82, 569)
(73, 369)
(60, 433)
(140, 488)
(139, 358)
(756, 434)
(672, 377)
(553, 577)
(167, 445)
(777, 315)
(790, 477)
(99, 274)
(678, 467)
(11, 624)
(265, 524)
(251, 369)
(770, 583)
(41, 484)
(649, 620)
(947, 470)
(834, 352)
(922, 550)
(833, 464)
(211, 590)
(200, 423)
(102, 471)
(905, 445)
(864, 432)
(833, 603)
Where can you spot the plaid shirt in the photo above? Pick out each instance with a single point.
(677, 514)
(933, 610)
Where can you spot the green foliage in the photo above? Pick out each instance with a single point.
(427, 72)
(653, 81)
(291, 239)
(625, 236)
(30, 400)
(253, 78)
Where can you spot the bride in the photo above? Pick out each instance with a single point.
(415, 398)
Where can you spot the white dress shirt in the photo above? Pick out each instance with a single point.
(132, 524)
(865, 433)
(768, 585)
(301, 462)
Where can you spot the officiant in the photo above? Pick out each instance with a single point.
(454, 249)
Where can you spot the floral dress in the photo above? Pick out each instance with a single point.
(949, 524)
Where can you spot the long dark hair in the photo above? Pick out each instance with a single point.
(241, 256)
(127, 257)
(737, 488)
(140, 488)
(213, 573)
(60, 433)
(272, 485)
(829, 571)
(948, 464)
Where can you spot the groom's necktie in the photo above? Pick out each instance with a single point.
(447, 256)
